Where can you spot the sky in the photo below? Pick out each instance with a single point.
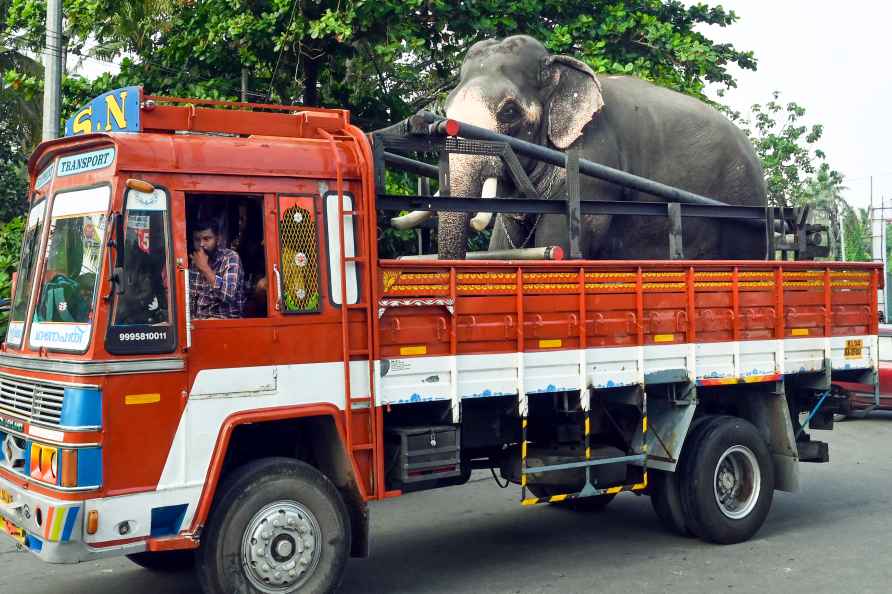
(832, 58)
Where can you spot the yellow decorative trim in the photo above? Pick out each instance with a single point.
(389, 279)
(550, 343)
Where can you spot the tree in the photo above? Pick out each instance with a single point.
(857, 235)
(796, 170)
(382, 59)
(824, 191)
(787, 148)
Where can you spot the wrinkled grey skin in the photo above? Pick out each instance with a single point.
(514, 86)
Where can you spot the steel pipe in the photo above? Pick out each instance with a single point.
(554, 252)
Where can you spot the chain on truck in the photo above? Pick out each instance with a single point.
(251, 446)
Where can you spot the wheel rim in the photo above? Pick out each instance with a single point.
(737, 482)
(281, 547)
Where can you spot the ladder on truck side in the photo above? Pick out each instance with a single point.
(360, 420)
(589, 488)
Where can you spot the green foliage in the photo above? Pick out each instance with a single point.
(787, 148)
(857, 235)
(382, 59)
(10, 245)
(796, 170)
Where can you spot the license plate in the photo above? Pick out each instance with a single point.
(14, 531)
(5, 496)
(854, 348)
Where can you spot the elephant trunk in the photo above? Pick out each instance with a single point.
(452, 235)
(452, 231)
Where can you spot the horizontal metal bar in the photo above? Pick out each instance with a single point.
(538, 205)
(412, 165)
(584, 463)
(458, 204)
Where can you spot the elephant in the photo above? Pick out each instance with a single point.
(515, 86)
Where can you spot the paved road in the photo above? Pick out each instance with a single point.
(835, 535)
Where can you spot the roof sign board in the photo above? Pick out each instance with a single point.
(83, 162)
(114, 111)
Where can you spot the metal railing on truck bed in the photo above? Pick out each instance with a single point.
(737, 308)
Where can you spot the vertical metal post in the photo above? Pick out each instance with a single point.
(378, 163)
(244, 85)
(770, 249)
(52, 60)
(574, 212)
(443, 166)
(676, 241)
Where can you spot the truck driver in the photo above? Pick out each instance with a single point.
(216, 276)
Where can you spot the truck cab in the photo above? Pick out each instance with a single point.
(110, 420)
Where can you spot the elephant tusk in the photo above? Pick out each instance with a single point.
(482, 219)
(411, 220)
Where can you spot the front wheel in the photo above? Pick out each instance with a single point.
(280, 526)
(727, 482)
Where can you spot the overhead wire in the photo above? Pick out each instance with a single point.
(272, 79)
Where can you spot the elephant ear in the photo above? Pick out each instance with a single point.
(574, 97)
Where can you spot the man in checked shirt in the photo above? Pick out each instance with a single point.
(216, 277)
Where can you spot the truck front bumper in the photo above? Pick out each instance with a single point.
(50, 528)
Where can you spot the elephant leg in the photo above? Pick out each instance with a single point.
(552, 230)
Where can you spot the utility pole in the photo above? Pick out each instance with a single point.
(52, 70)
(244, 85)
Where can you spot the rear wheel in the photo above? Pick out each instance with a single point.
(666, 501)
(165, 561)
(665, 493)
(727, 481)
(280, 526)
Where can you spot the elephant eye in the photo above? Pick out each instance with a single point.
(509, 113)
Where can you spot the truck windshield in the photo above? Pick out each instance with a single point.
(72, 263)
(30, 247)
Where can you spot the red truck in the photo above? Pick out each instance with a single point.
(250, 446)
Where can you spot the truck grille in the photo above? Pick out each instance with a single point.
(35, 400)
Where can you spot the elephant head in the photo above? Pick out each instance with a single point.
(513, 86)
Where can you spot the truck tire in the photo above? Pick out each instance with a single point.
(666, 501)
(665, 496)
(726, 481)
(278, 525)
(165, 561)
(592, 504)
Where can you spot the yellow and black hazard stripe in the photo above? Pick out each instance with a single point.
(569, 496)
